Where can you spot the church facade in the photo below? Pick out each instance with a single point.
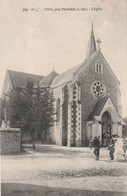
(87, 99)
(87, 102)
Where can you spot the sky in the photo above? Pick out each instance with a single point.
(40, 39)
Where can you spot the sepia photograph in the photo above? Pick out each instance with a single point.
(63, 98)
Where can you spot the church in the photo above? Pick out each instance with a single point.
(87, 99)
(88, 102)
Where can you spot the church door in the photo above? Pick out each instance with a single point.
(106, 128)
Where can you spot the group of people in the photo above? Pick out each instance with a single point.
(116, 146)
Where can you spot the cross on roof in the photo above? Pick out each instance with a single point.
(99, 42)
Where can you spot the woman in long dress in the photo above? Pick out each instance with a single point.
(119, 153)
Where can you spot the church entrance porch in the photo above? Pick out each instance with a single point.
(106, 128)
(104, 123)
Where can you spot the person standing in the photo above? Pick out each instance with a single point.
(91, 143)
(125, 145)
(111, 148)
(96, 144)
(107, 138)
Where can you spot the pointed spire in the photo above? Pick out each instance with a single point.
(91, 45)
(53, 69)
(92, 26)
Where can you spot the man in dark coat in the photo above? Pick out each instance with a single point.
(96, 144)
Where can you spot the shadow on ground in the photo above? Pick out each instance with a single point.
(53, 149)
(15, 189)
(22, 153)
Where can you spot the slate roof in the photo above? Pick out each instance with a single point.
(20, 79)
(69, 74)
(65, 77)
(97, 109)
(47, 80)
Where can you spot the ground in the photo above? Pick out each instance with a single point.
(51, 170)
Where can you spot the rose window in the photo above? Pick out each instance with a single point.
(98, 89)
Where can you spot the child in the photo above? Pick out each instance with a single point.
(91, 143)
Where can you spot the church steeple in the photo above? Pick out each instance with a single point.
(91, 45)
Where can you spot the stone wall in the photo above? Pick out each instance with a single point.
(10, 141)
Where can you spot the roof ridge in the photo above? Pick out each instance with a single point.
(65, 72)
(20, 79)
(87, 60)
(50, 74)
(48, 79)
(109, 67)
(70, 69)
(92, 114)
(10, 77)
(9, 70)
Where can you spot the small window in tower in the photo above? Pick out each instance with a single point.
(98, 67)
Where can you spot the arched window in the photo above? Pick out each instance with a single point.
(98, 67)
(58, 110)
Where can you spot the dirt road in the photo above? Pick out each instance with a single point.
(57, 170)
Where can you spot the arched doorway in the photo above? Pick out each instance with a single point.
(106, 128)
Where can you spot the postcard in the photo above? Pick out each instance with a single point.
(63, 105)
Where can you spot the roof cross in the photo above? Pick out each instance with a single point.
(98, 42)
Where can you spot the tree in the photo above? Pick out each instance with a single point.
(31, 108)
(125, 127)
(2, 108)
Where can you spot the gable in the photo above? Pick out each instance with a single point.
(88, 77)
(69, 75)
(7, 86)
(14, 79)
(102, 106)
(64, 77)
(109, 107)
(109, 68)
(90, 63)
(48, 80)
(20, 79)
(97, 109)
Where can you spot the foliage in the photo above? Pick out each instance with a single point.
(31, 108)
(2, 107)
